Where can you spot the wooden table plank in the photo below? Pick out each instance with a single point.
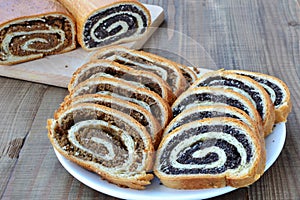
(16, 120)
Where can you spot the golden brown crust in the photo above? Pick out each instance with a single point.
(283, 111)
(166, 92)
(201, 181)
(82, 10)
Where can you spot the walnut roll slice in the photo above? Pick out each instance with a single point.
(33, 29)
(105, 141)
(141, 60)
(121, 89)
(210, 153)
(106, 68)
(139, 113)
(107, 22)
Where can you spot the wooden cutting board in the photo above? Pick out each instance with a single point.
(57, 70)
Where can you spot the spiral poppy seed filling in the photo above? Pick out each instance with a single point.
(207, 97)
(47, 35)
(268, 84)
(87, 145)
(222, 81)
(201, 115)
(187, 155)
(106, 27)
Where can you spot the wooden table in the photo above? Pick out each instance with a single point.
(257, 35)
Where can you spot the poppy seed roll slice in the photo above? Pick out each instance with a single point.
(245, 86)
(210, 153)
(215, 96)
(199, 112)
(276, 88)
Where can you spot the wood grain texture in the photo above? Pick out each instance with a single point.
(257, 35)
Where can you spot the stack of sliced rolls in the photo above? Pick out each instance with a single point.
(130, 115)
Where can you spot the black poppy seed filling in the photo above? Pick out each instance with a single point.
(201, 115)
(43, 24)
(185, 156)
(219, 81)
(203, 97)
(133, 24)
(233, 158)
(264, 82)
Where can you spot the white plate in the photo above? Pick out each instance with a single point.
(274, 145)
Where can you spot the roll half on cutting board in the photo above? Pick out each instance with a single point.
(106, 22)
(33, 29)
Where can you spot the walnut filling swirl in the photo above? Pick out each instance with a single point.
(35, 37)
(120, 89)
(95, 135)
